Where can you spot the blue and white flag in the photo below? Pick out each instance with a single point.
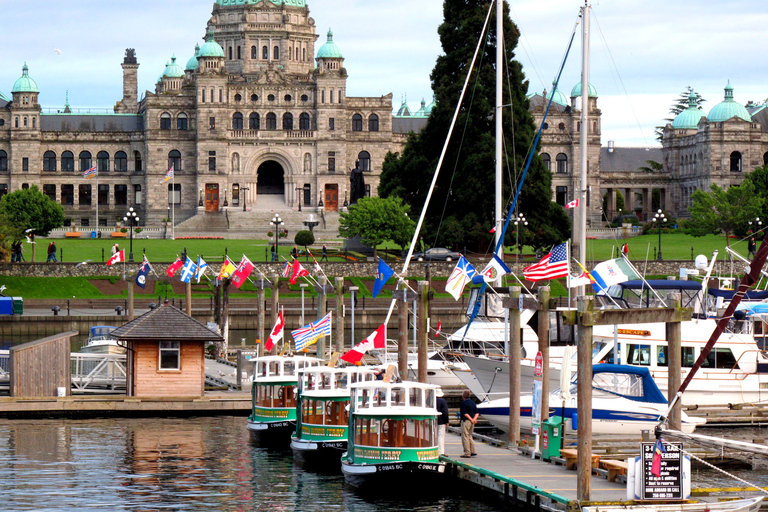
(612, 272)
(494, 270)
(382, 276)
(202, 267)
(188, 270)
(309, 334)
(141, 275)
(460, 277)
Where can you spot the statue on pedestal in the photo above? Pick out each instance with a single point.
(357, 184)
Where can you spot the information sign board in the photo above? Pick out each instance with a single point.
(668, 485)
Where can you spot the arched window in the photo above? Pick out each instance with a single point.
(290, 53)
(254, 121)
(287, 121)
(137, 165)
(237, 121)
(271, 121)
(357, 123)
(230, 53)
(304, 121)
(121, 161)
(103, 161)
(373, 123)
(49, 161)
(364, 160)
(182, 123)
(735, 161)
(562, 163)
(85, 161)
(239, 53)
(276, 52)
(165, 121)
(174, 160)
(254, 52)
(547, 161)
(68, 161)
(3, 161)
(264, 53)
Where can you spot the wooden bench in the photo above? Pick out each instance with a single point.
(118, 234)
(73, 234)
(571, 457)
(615, 468)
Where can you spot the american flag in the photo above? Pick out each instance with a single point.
(90, 173)
(309, 334)
(552, 266)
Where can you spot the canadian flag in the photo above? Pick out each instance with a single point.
(375, 340)
(176, 265)
(298, 271)
(276, 334)
(117, 257)
(573, 204)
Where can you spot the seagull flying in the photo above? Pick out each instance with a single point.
(2, 289)
(58, 52)
(82, 263)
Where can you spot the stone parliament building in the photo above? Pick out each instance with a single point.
(257, 121)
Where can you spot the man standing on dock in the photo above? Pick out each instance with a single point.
(469, 414)
(443, 419)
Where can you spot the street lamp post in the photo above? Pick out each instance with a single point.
(757, 222)
(243, 191)
(659, 219)
(520, 222)
(277, 222)
(226, 204)
(132, 218)
(298, 196)
(352, 290)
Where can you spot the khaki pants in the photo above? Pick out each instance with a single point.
(467, 441)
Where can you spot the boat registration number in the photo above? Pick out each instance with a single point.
(279, 424)
(429, 467)
(389, 467)
(339, 445)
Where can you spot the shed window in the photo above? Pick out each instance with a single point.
(170, 355)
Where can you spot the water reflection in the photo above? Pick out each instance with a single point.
(168, 464)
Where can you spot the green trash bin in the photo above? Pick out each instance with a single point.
(18, 305)
(552, 432)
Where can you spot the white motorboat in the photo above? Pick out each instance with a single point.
(742, 505)
(625, 400)
(100, 341)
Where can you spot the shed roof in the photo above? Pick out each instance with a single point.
(165, 323)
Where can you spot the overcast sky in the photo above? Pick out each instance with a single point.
(644, 53)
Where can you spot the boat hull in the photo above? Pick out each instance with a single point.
(407, 477)
(743, 505)
(492, 375)
(318, 455)
(271, 434)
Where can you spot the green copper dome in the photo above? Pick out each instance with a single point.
(173, 70)
(689, 118)
(558, 98)
(25, 83)
(211, 48)
(192, 63)
(329, 50)
(422, 112)
(728, 108)
(290, 3)
(576, 91)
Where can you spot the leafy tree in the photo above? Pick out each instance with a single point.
(723, 211)
(30, 208)
(305, 238)
(759, 178)
(461, 211)
(8, 235)
(377, 220)
(680, 104)
(620, 205)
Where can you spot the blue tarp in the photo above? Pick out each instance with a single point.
(6, 305)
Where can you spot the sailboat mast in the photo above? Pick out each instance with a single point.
(498, 118)
(580, 214)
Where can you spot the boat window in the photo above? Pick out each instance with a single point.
(340, 380)
(619, 383)
(661, 356)
(607, 357)
(312, 412)
(366, 432)
(419, 434)
(639, 354)
(597, 348)
(398, 397)
(289, 368)
(273, 368)
(689, 357)
(720, 358)
(430, 398)
(364, 399)
(415, 398)
(325, 382)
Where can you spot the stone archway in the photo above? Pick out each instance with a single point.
(270, 179)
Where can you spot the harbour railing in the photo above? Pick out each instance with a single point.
(98, 371)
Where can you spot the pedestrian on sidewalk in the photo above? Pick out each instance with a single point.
(325, 254)
(51, 252)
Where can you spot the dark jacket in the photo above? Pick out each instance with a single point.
(467, 407)
(442, 408)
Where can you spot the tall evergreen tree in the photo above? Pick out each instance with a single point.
(680, 104)
(461, 212)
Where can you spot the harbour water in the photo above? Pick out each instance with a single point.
(178, 464)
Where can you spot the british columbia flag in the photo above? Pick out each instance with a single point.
(309, 334)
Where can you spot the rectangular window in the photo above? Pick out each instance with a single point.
(331, 164)
(103, 195)
(170, 355)
(85, 222)
(121, 195)
(137, 194)
(331, 123)
(174, 193)
(50, 191)
(212, 123)
(84, 195)
(68, 195)
(25, 164)
(212, 163)
(561, 195)
(3, 189)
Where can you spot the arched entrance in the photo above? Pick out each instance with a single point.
(271, 179)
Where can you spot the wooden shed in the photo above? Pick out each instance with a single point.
(42, 367)
(165, 353)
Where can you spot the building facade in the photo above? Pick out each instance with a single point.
(256, 119)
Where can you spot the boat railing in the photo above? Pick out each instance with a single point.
(5, 361)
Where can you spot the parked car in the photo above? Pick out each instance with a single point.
(437, 254)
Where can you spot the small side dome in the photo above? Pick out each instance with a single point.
(211, 48)
(25, 83)
(689, 118)
(576, 91)
(329, 50)
(557, 96)
(173, 70)
(192, 63)
(728, 108)
(422, 112)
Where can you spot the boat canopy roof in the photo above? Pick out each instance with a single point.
(661, 284)
(631, 382)
(102, 330)
(728, 294)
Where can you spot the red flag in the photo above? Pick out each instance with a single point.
(439, 328)
(241, 273)
(276, 334)
(573, 204)
(298, 271)
(658, 449)
(117, 257)
(176, 265)
(375, 340)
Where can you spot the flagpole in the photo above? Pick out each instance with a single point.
(173, 205)
(97, 200)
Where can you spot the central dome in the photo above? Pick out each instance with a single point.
(689, 118)
(728, 108)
